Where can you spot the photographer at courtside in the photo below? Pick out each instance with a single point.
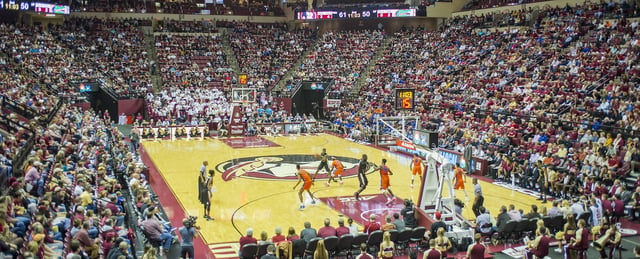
(188, 231)
(408, 214)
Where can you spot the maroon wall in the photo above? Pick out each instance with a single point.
(423, 219)
(286, 102)
(84, 106)
(132, 106)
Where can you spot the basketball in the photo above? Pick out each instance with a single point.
(316, 155)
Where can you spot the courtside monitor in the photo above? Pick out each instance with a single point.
(428, 139)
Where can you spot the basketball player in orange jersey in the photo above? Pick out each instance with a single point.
(385, 183)
(305, 177)
(459, 179)
(416, 168)
(337, 168)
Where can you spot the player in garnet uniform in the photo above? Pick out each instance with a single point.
(337, 168)
(385, 183)
(416, 168)
(324, 158)
(305, 177)
(363, 167)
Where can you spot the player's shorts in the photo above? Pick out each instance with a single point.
(338, 172)
(417, 171)
(307, 185)
(384, 184)
(363, 180)
(324, 165)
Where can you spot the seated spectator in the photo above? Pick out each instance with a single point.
(327, 230)
(291, 234)
(398, 222)
(372, 225)
(502, 219)
(308, 232)
(247, 239)
(271, 253)
(278, 237)
(264, 238)
(341, 229)
(483, 222)
(90, 246)
(152, 227)
(353, 228)
(554, 211)
(123, 251)
(388, 225)
(533, 213)
(74, 249)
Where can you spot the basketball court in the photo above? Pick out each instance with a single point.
(255, 177)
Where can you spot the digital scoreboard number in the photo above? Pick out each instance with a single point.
(353, 13)
(243, 79)
(38, 7)
(405, 99)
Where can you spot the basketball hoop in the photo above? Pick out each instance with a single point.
(243, 95)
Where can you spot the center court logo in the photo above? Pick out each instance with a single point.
(280, 167)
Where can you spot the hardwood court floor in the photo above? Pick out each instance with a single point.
(265, 200)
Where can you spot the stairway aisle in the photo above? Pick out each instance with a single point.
(293, 71)
(362, 80)
(152, 56)
(228, 52)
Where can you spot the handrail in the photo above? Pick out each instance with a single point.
(53, 112)
(45, 87)
(26, 112)
(22, 154)
(12, 124)
(599, 83)
(296, 89)
(24, 151)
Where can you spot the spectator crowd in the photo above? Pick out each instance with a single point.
(552, 105)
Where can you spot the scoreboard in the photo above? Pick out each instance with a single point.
(33, 6)
(349, 13)
(405, 98)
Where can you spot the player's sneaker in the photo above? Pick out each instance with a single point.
(390, 201)
(411, 185)
(357, 196)
(327, 184)
(301, 207)
(313, 202)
